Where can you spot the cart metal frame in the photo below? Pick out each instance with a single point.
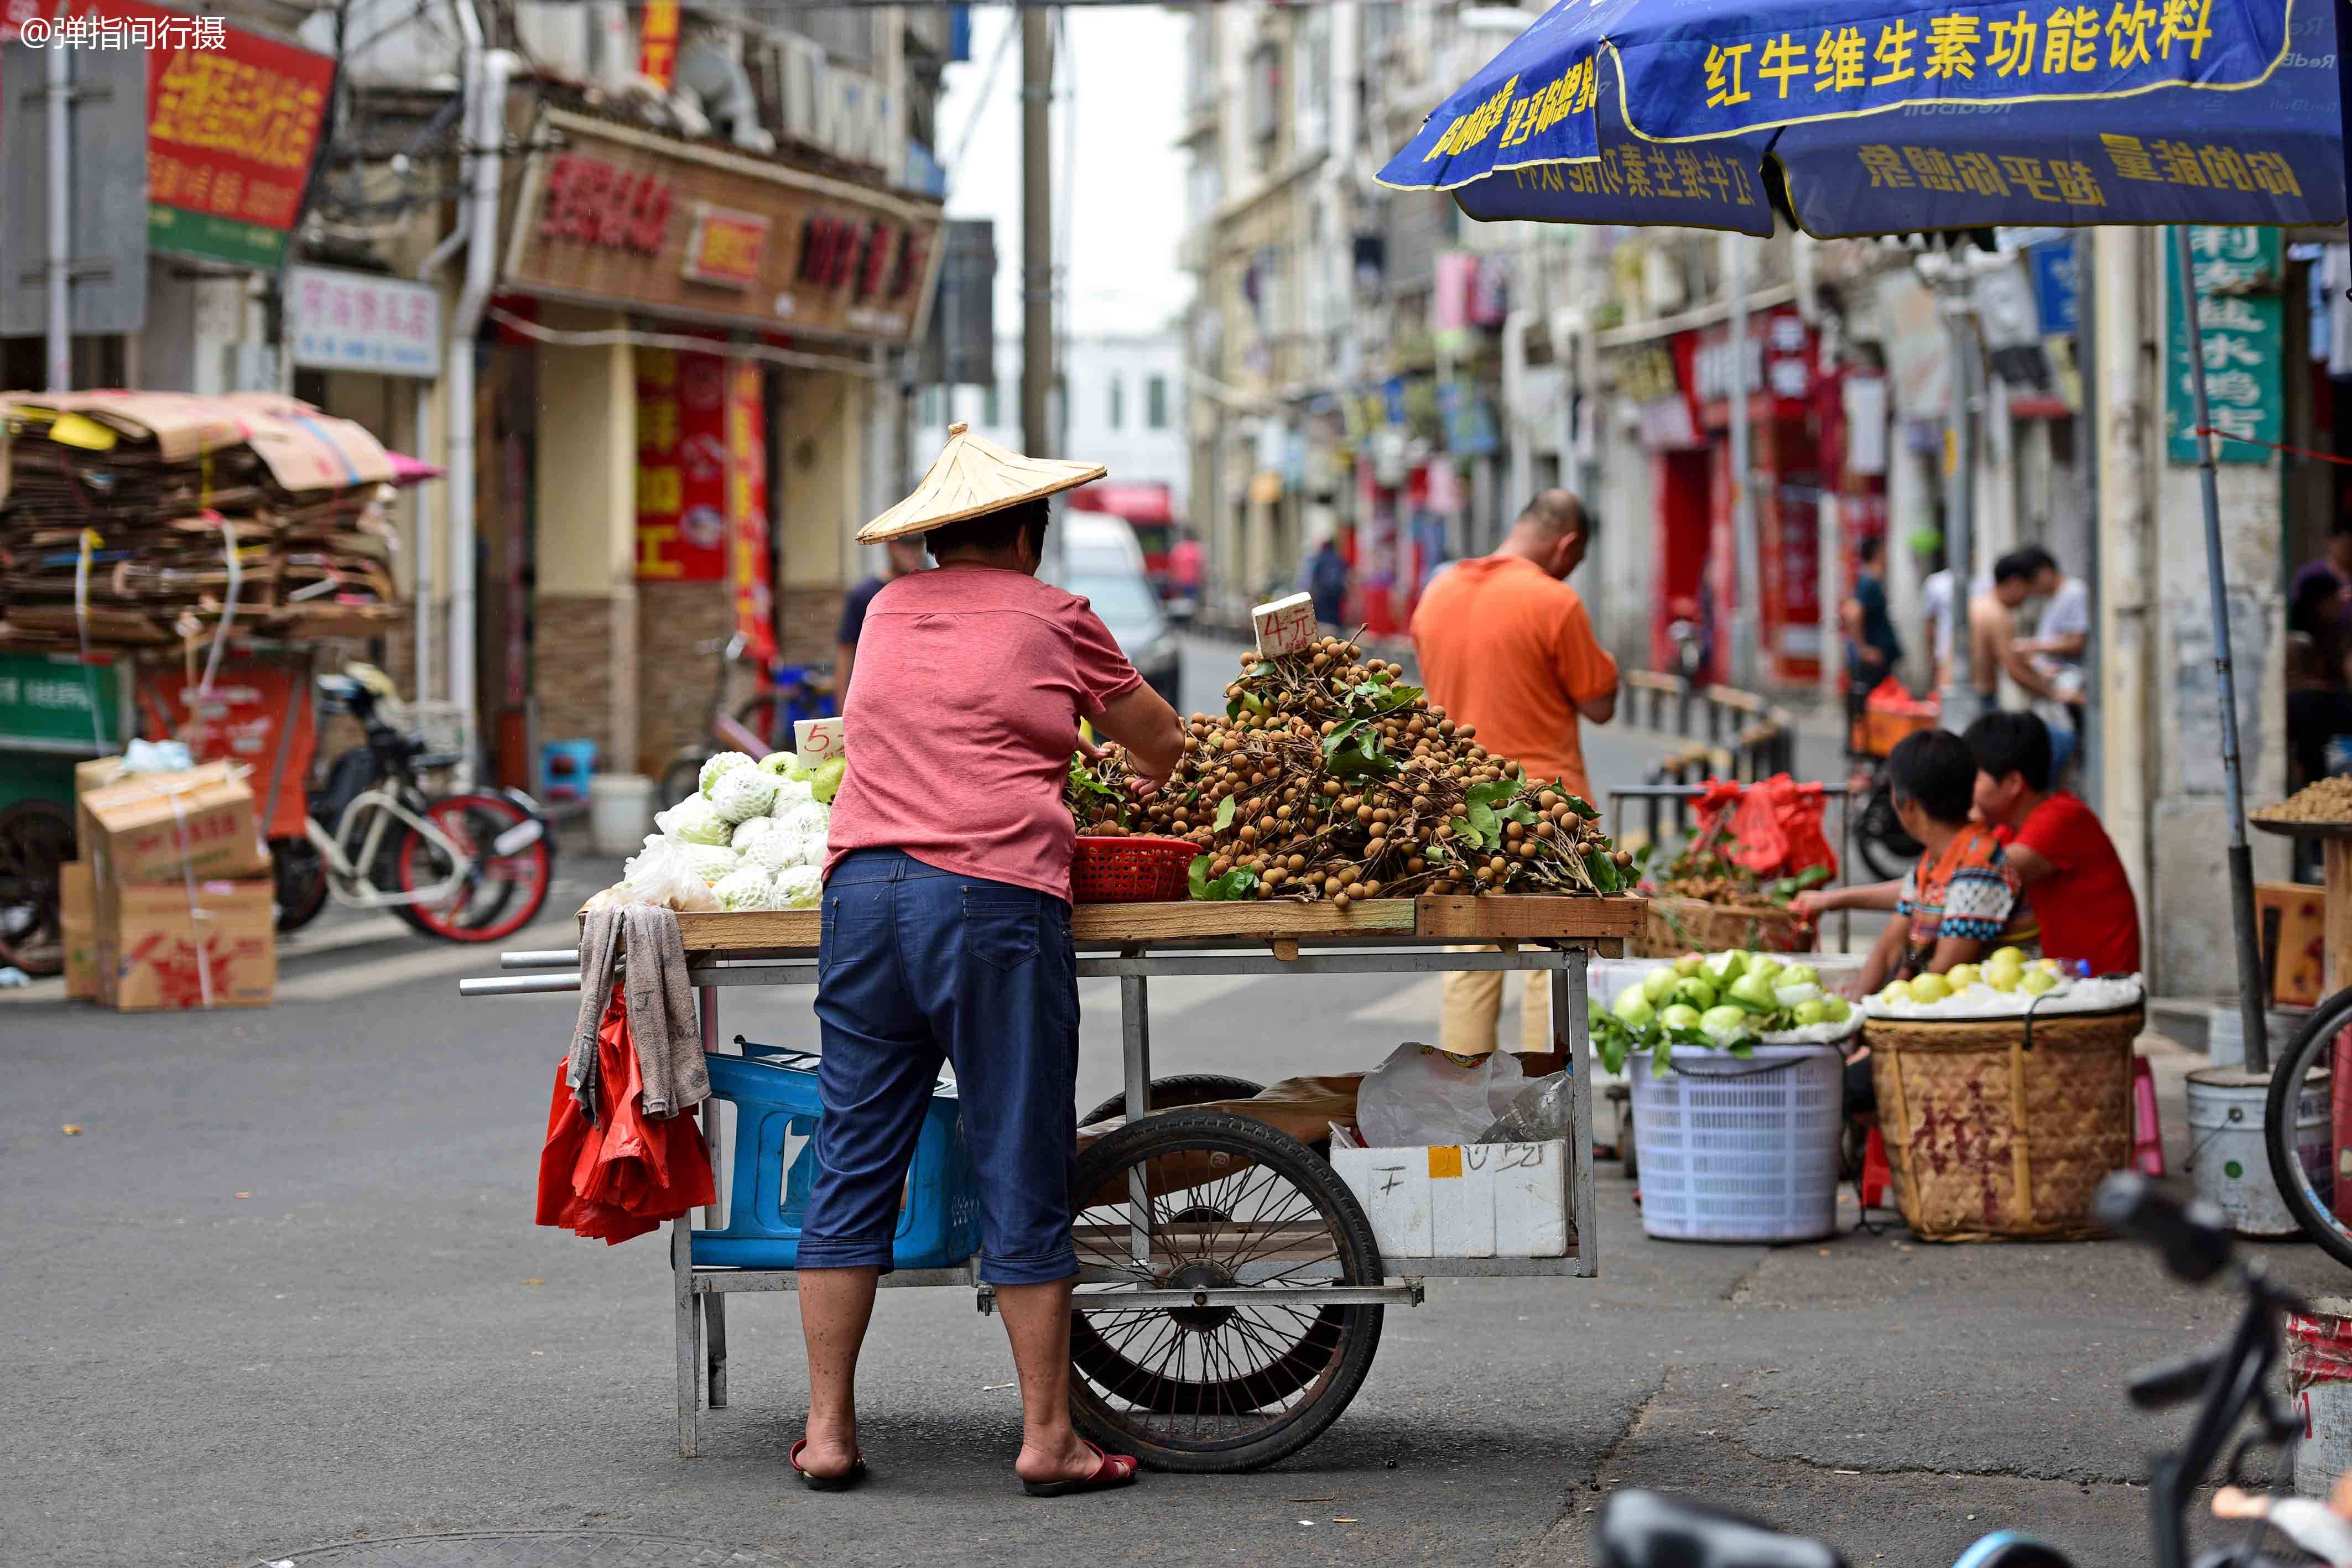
(699, 1295)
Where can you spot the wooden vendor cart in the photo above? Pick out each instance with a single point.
(1231, 1286)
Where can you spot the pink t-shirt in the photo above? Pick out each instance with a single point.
(962, 712)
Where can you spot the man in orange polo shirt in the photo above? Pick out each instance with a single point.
(1507, 647)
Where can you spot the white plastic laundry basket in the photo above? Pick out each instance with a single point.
(1740, 1150)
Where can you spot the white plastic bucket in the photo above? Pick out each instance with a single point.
(620, 812)
(2319, 1375)
(1740, 1150)
(2228, 1159)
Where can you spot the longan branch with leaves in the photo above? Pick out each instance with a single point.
(1329, 778)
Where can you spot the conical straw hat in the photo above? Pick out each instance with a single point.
(970, 476)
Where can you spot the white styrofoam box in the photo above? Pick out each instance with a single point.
(1284, 625)
(1462, 1200)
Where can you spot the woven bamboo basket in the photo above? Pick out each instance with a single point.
(1673, 926)
(2000, 1129)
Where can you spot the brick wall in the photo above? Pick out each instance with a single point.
(811, 615)
(584, 654)
(674, 682)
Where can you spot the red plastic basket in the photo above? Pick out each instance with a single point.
(1140, 870)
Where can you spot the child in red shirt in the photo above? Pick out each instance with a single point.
(2056, 845)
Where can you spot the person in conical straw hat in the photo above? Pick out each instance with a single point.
(947, 933)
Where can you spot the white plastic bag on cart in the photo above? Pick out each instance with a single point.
(1421, 1095)
(663, 872)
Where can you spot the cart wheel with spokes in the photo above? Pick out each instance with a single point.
(1232, 1204)
(37, 837)
(1175, 1092)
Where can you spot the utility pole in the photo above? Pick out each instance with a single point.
(1037, 239)
(1747, 606)
(60, 108)
(1961, 695)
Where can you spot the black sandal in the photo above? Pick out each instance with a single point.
(847, 1479)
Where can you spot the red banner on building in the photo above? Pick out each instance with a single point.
(682, 467)
(747, 510)
(233, 121)
(657, 42)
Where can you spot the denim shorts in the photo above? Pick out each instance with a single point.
(916, 965)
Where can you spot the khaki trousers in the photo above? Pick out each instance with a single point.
(1473, 1004)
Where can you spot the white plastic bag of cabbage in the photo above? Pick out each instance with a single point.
(754, 831)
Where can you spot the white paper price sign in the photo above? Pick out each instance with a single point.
(1285, 626)
(814, 739)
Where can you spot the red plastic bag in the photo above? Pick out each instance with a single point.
(623, 1175)
(1778, 829)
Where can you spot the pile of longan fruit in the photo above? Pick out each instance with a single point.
(1356, 823)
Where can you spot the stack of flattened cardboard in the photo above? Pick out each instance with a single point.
(146, 517)
(171, 905)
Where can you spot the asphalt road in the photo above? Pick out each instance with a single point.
(281, 1293)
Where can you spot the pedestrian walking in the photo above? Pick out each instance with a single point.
(1507, 647)
(1326, 583)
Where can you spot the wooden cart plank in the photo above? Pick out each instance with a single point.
(1528, 917)
(1450, 919)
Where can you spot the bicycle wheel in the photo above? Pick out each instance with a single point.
(2308, 1162)
(298, 873)
(37, 837)
(1878, 835)
(1234, 1204)
(498, 895)
(1176, 1092)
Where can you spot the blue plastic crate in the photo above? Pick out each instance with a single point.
(774, 1091)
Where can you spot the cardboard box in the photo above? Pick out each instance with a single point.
(162, 827)
(157, 953)
(2292, 918)
(78, 925)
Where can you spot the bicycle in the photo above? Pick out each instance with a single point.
(474, 865)
(793, 692)
(1878, 836)
(2303, 1092)
(682, 774)
(2231, 1384)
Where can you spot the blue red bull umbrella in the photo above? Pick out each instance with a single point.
(1855, 117)
(1858, 118)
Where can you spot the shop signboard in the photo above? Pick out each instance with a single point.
(2053, 286)
(49, 702)
(1648, 376)
(1777, 361)
(725, 246)
(2244, 322)
(339, 320)
(625, 217)
(233, 121)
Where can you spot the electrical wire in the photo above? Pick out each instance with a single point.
(641, 340)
